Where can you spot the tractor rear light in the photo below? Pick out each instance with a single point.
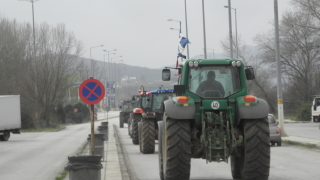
(249, 98)
(277, 130)
(151, 114)
(182, 99)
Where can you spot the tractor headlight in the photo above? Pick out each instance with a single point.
(195, 64)
(238, 63)
(190, 64)
(234, 64)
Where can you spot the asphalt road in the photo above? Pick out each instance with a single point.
(42, 156)
(287, 162)
(307, 130)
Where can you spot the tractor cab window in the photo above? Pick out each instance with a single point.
(158, 99)
(214, 81)
(145, 102)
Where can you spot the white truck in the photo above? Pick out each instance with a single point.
(10, 116)
(315, 109)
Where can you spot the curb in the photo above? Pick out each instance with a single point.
(59, 129)
(300, 143)
(127, 172)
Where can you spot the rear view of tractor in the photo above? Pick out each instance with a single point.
(212, 117)
(148, 127)
(125, 110)
(142, 102)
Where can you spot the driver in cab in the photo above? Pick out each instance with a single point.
(211, 87)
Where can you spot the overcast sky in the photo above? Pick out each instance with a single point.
(139, 29)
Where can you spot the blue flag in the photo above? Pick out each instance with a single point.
(183, 41)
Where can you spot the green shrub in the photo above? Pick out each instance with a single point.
(305, 112)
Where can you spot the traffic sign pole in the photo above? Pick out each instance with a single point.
(91, 92)
(92, 126)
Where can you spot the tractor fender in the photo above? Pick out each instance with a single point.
(258, 111)
(179, 112)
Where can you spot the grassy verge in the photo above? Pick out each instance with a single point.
(47, 129)
(64, 174)
(310, 146)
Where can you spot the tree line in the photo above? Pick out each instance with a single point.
(42, 75)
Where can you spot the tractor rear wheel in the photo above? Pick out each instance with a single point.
(148, 135)
(134, 124)
(176, 149)
(255, 156)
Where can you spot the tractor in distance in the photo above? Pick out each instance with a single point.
(148, 126)
(212, 117)
(125, 109)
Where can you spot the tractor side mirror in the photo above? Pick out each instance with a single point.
(249, 73)
(166, 74)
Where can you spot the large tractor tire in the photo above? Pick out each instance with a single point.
(255, 156)
(235, 167)
(148, 136)
(134, 124)
(5, 136)
(160, 149)
(176, 149)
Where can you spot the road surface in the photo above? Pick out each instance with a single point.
(42, 155)
(287, 162)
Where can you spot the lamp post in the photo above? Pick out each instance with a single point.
(91, 59)
(204, 32)
(34, 34)
(235, 15)
(179, 34)
(230, 30)
(108, 59)
(185, 14)
(279, 86)
(111, 63)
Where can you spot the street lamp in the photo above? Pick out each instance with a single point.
(91, 58)
(34, 34)
(179, 33)
(108, 58)
(111, 63)
(230, 30)
(235, 15)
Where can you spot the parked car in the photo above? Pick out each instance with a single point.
(275, 135)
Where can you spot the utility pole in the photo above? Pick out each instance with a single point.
(204, 31)
(185, 13)
(230, 30)
(279, 87)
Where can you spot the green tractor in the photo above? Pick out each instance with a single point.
(212, 117)
(148, 127)
(126, 108)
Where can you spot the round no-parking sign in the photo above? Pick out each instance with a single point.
(91, 91)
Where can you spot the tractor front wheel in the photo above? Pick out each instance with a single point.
(134, 124)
